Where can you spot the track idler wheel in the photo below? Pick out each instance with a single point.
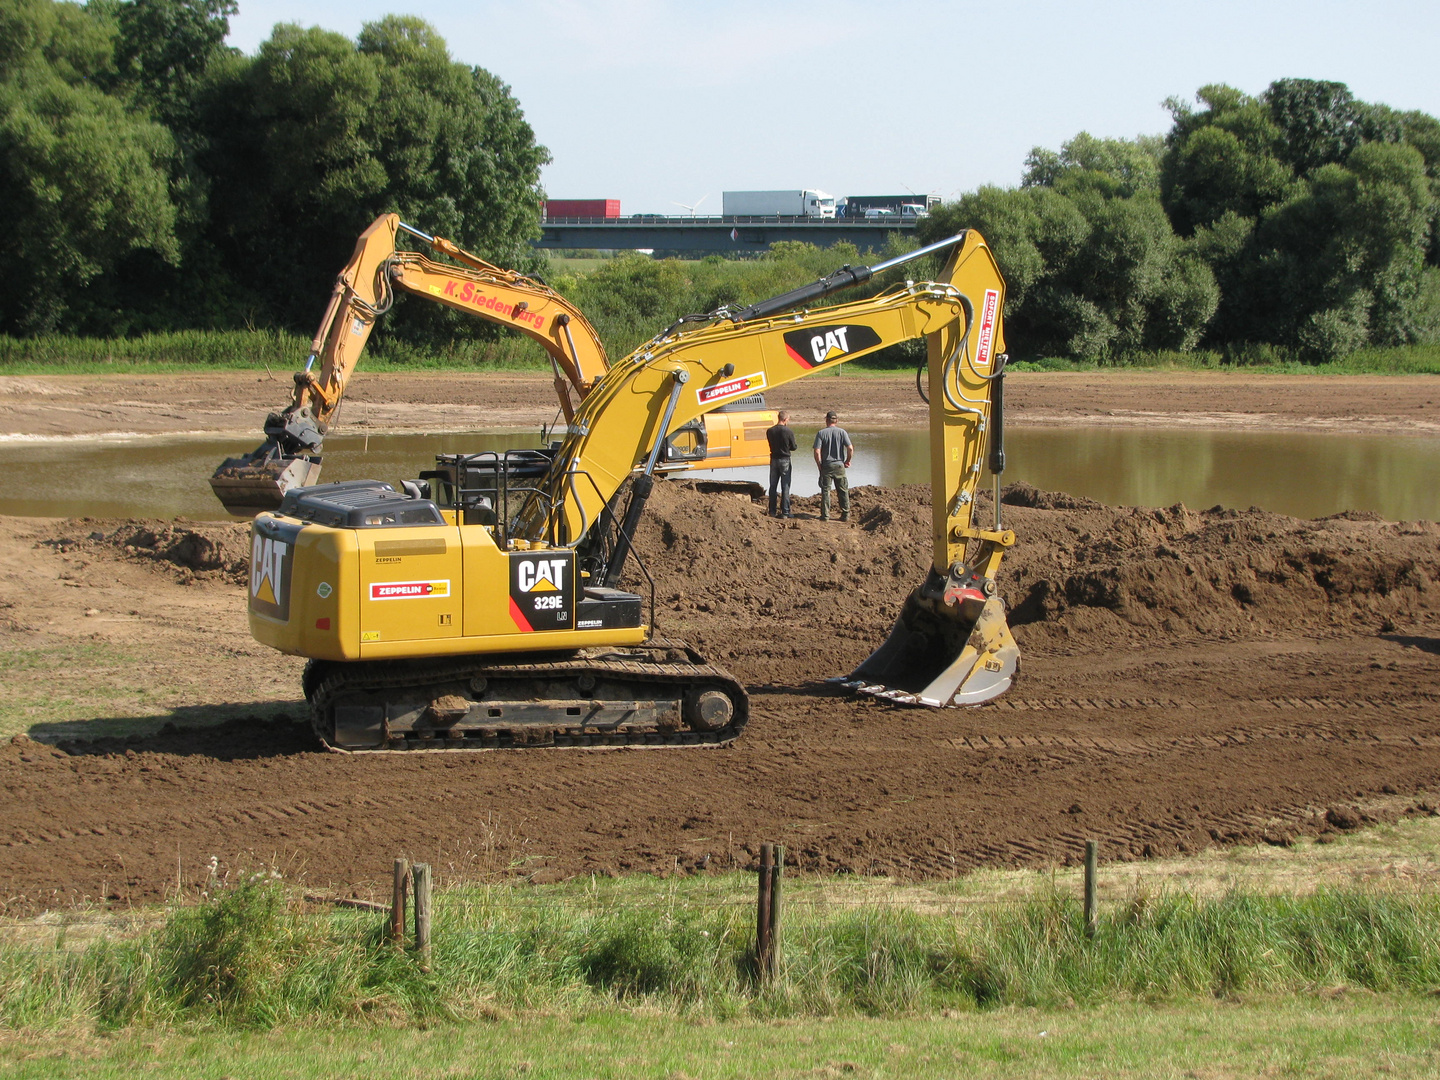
(708, 708)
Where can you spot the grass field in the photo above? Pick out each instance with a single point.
(1314, 960)
(1338, 1036)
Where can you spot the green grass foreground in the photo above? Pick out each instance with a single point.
(1344, 1037)
(255, 956)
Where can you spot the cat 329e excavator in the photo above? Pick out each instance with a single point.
(482, 606)
(365, 290)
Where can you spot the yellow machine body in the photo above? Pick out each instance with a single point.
(439, 589)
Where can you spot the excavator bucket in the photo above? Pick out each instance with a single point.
(248, 485)
(940, 653)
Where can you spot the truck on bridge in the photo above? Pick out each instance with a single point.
(794, 202)
(871, 207)
(582, 208)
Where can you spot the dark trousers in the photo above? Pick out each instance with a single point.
(780, 479)
(834, 472)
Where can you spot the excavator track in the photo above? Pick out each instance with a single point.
(657, 695)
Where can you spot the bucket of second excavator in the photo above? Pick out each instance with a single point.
(249, 485)
(941, 653)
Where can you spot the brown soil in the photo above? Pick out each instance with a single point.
(232, 402)
(1189, 678)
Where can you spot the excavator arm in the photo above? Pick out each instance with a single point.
(952, 644)
(365, 290)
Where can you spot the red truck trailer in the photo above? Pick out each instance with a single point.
(567, 208)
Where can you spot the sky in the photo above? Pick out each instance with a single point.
(665, 104)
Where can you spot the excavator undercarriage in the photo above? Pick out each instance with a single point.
(659, 694)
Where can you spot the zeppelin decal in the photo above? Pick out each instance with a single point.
(730, 388)
(989, 314)
(408, 590)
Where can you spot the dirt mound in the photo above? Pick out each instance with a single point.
(189, 548)
(1190, 678)
(1080, 569)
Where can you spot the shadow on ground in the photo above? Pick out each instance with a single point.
(230, 733)
(1424, 644)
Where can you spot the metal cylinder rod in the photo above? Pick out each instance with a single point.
(844, 278)
(681, 378)
(920, 253)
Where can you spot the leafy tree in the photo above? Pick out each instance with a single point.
(1087, 275)
(1320, 122)
(1113, 167)
(1221, 160)
(1346, 257)
(1316, 213)
(318, 135)
(163, 49)
(87, 180)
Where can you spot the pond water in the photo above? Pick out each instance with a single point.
(1305, 475)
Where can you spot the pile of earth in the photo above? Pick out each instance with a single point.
(1082, 575)
(191, 549)
(753, 592)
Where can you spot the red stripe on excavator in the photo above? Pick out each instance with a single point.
(519, 619)
(798, 358)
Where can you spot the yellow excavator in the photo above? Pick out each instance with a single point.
(483, 604)
(365, 289)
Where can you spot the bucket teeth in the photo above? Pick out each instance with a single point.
(930, 660)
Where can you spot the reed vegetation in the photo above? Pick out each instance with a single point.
(255, 955)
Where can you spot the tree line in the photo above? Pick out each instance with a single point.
(157, 180)
(1301, 222)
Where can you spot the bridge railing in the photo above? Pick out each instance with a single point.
(733, 219)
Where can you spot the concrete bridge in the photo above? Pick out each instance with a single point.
(719, 234)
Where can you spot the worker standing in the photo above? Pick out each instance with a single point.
(782, 444)
(833, 453)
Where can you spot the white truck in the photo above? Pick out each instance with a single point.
(796, 202)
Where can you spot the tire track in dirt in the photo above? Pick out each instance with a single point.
(1190, 679)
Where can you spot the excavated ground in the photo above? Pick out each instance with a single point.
(1189, 678)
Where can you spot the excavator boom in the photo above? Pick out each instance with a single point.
(365, 289)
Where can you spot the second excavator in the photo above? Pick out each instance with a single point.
(365, 289)
(486, 605)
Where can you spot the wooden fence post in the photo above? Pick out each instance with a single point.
(421, 875)
(775, 877)
(762, 910)
(1092, 858)
(397, 903)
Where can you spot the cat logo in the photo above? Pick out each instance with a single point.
(818, 345)
(270, 559)
(542, 590)
(541, 575)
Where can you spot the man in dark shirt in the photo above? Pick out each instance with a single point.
(782, 443)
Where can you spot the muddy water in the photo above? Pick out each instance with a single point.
(1299, 474)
